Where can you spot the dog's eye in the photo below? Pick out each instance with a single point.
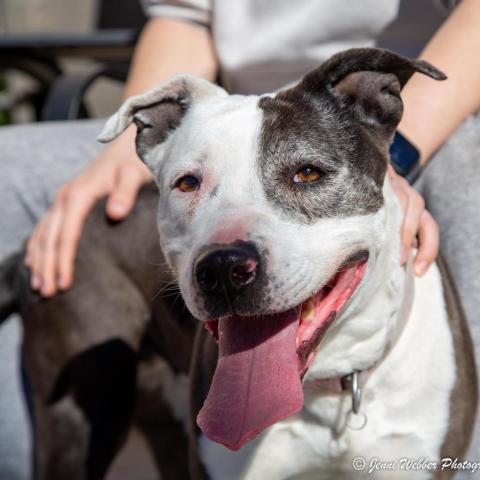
(307, 174)
(188, 183)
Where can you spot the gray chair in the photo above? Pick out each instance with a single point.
(59, 96)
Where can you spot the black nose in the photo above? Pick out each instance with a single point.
(227, 270)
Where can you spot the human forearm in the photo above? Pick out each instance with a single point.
(167, 47)
(433, 110)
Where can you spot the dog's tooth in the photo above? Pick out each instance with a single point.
(308, 311)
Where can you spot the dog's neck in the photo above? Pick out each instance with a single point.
(367, 330)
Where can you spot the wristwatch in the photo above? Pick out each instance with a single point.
(405, 158)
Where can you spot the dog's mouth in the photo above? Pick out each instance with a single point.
(321, 310)
(262, 360)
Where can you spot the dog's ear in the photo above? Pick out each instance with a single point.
(367, 82)
(158, 112)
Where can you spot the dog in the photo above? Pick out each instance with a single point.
(306, 347)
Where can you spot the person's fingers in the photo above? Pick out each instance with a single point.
(429, 243)
(32, 246)
(411, 222)
(36, 254)
(78, 203)
(122, 198)
(49, 242)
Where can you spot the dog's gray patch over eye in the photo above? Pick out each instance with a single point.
(301, 131)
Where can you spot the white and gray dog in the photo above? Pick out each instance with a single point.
(278, 222)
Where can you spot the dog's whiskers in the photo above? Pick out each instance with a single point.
(179, 295)
(170, 288)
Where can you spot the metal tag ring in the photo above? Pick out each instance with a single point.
(356, 393)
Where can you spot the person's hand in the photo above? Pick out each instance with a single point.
(417, 222)
(52, 247)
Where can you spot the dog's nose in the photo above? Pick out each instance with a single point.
(227, 270)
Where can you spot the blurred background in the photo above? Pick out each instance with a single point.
(53, 50)
(63, 59)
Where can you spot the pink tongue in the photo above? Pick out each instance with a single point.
(257, 382)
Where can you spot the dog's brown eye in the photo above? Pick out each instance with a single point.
(307, 174)
(187, 183)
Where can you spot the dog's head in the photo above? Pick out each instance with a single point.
(271, 209)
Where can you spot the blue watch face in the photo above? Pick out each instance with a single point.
(403, 156)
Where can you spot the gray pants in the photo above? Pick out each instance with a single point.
(35, 160)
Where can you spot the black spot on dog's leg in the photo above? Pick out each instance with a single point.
(102, 382)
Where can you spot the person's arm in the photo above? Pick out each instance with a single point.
(433, 110)
(165, 48)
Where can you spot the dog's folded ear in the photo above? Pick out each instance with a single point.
(367, 82)
(158, 112)
(161, 107)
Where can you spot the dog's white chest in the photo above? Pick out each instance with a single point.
(288, 449)
(299, 450)
(407, 409)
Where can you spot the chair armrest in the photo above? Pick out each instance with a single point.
(102, 45)
(65, 100)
